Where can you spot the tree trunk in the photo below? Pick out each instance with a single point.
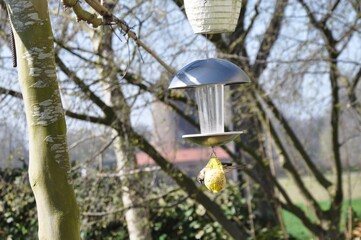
(245, 118)
(133, 193)
(49, 166)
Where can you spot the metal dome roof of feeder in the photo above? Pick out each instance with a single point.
(208, 72)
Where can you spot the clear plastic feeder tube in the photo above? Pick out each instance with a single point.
(211, 108)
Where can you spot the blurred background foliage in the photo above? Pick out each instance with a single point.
(173, 214)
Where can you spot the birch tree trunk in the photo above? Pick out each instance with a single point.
(49, 167)
(133, 194)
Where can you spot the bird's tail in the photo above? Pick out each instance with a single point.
(230, 166)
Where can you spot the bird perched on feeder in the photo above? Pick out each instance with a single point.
(213, 174)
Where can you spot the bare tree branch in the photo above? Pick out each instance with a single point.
(330, 12)
(289, 166)
(315, 228)
(119, 22)
(11, 93)
(108, 111)
(330, 43)
(335, 116)
(270, 37)
(295, 140)
(288, 205)
(85, 117)
(239, 36)
(352, 92)
(69, 113)
(326, 32)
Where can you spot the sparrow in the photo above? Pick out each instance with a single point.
(213, 174)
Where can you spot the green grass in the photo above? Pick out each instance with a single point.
(319, 193)
(295, 227)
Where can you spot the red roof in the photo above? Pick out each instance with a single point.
(184, 155)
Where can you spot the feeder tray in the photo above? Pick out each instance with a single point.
(212, 139)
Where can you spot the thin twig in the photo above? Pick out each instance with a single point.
(92, 19)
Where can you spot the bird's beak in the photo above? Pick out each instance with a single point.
(200, 179)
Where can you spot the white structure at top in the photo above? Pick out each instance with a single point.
(213, 16)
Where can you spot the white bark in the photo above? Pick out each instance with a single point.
(132, 194)
(133, 197)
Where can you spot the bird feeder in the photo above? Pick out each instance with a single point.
(208, 77)
(213, 16)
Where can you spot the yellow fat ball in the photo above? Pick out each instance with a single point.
(214, 177)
